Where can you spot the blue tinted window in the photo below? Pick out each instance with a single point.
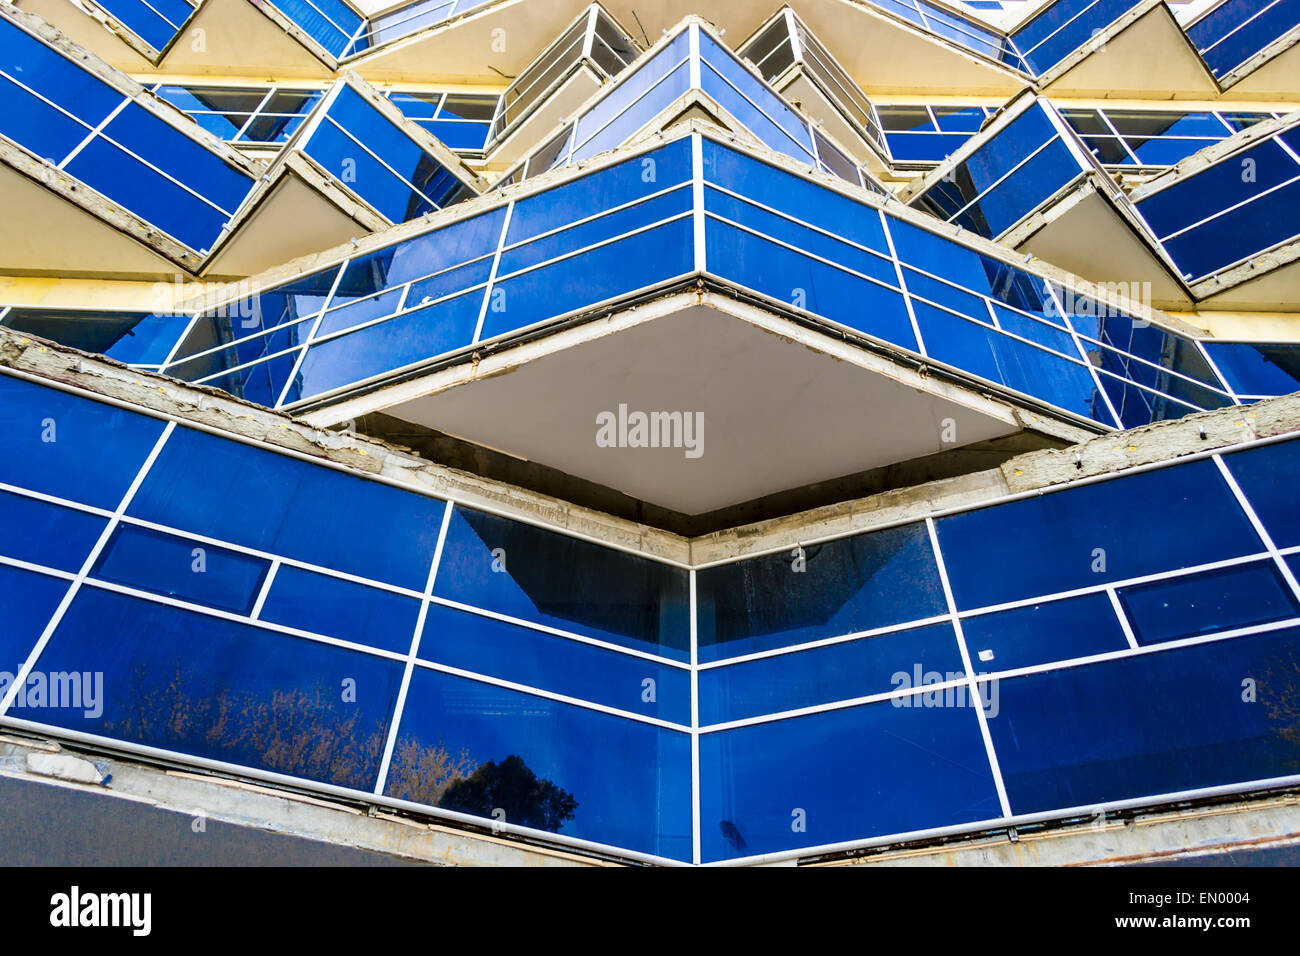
(557, 664)
(1257, 369)
(1043, 633)
(854, 773)
(1150, 724)
(213, 688)
(1137, 525)
(130, 337)
(342, 609)
(71, 447)
(259, 499)
(29, 601)
(548, 578)
(47, 534)
(1204, 603)
(180, 567)
(872, 665)
(1267, 476)
(824, 590)
(549, 766)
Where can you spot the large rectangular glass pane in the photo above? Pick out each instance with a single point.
(342, 609)
(206, 687)
(1150, 724)
(475, 748)
(561, 665)
(843, 775)
(824, 590)
(548, 578)
(259, 499)
(1093, 534)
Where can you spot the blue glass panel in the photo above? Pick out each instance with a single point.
(155, 22)
(46, 534)
(1208, 602)
(924, 147)
(608, 126)
(129, 337)
(1043, 633)
(29, 601)
(1063, 27)
(981, 350)
(615, 186)
(561, 665)
(872, 665)
(585, 280)
(550, 579)
(1127, 527)
(775, 188)
(1150, 724)
(29, 61)
(140, 131)
(70, 447)
(982, 274)
(336, 608)
(845, 774)
(806, 240)
(331, 23)
(1257, 369)
(405, 340)
(845, 586)
(182, 568)
(549, 766)
(148, 194)
(1237, 30)
(598, 230)
(1238, 234)
(788, 276)
(272, 503)
(216, 689)
(1267, 476)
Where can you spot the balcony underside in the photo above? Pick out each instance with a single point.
(783, 407)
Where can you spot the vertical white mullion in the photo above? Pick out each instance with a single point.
(264, 591)
(796, 48)
(589, 35)
(315, 324)
(21, 678)
(1269, 545)
(492, 275)
(975, 698)
(382, 780)
(694, 54)
(696, 852)
(1123, 618)
(902, 282)
(697, 189)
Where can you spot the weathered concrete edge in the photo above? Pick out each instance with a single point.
(1119, 840)
(244, 804)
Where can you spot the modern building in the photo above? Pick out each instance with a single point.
(505, 431)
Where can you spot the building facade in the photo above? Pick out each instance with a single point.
(693, 434)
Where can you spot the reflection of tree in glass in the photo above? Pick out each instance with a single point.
(1278, 691)
(423, 774)
(512, 787)
(301, 732)
(309, 733)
